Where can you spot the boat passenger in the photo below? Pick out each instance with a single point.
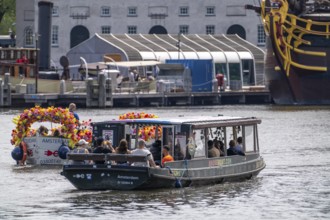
(73, 108)
(239, 145)
(122, 149)
(232, 150)
(142, 150)
(42, 131)
(108, 144)
(166, 155)
(178, 155)
(81, 148)
(100, 149)
(156, 151)
(212, 150)
(220, 146)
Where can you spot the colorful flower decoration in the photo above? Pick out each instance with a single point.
(68, 129)
(147, 132)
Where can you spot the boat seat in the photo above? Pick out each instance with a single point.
(107, 157)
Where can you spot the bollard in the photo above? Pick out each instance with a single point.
(89, 92)
(102, 90)
(62, 87)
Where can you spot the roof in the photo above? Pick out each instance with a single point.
(195, 122)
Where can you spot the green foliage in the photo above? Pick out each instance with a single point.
(7, 16)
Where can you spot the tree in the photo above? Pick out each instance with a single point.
(7, 15)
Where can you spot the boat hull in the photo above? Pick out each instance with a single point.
(176, 174)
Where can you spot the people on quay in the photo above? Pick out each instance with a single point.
(220, 146)
(73, 108)
(42, 131)
(100, 149)
(232, 150)
(239, 145)
(142, 150)
(81, 148)
(166, 155)
(212, 150)
(122, 149)
(156, 151)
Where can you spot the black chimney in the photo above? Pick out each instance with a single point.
(45, 30)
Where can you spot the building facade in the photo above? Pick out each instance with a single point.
(74, 21)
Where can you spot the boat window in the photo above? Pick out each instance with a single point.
(248, 141)
(200, 143)
(168, 138)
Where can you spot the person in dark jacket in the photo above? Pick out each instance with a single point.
(232, 150)
(101, 149)
(156, 150)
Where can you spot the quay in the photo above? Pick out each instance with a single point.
(99, 94)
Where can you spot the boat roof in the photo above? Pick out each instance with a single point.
(194, 121)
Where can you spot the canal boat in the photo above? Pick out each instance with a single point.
(187, 139)
(45, 146)
(297, 67)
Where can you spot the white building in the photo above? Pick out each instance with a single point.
(74, 21)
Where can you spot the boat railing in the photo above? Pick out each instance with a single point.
(108, 158)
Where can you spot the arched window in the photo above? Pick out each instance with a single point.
(28, 37)
(78, 35)
(158, 29)
(237, 29)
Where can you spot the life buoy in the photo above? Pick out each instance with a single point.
(24, 149)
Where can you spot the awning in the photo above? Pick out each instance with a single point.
(132, 63)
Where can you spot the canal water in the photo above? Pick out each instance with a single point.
(295, 143)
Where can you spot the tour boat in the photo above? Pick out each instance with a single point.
(187, 136)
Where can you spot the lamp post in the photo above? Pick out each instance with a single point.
(36, 61)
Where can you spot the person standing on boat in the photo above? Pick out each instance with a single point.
(232, 150)
(72, 109)
(212, 151)
(166, 155)
(100, 149)
(156, 151)
(142, 150)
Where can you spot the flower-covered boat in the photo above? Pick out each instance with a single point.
(33, 147)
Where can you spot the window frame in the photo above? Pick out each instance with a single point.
(182, 27)
(55, 11)
(183, 13)
(129, 29)
(104, 27)
(129, 11)
(55, 34)
(207, 12)
(261, 35)
(28, 37)
(104, 9)
(210, 29)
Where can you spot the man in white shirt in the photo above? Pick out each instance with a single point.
(142, 150)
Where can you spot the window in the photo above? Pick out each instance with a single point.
(55, 35)
(106, 29)
(132, 12)
(28, 39)
(55, 11)
(210, 11)
(131, 30)
(184, 11)
(261, 35)
(105, 11)
(184, 29)
(210, 29)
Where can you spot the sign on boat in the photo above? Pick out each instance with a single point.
(187, 139)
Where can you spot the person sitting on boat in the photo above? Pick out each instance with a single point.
(108, 144)
(122, 149)
(212, 150)
(100, 149)
(166, 155)
(142, 150)
(220, 146)
(178, 155)
(232, 150)
(73, 108)
(239, 145)
(156, 151)
(42, 131)
(81, 148)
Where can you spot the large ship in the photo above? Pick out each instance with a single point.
(297, 64)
